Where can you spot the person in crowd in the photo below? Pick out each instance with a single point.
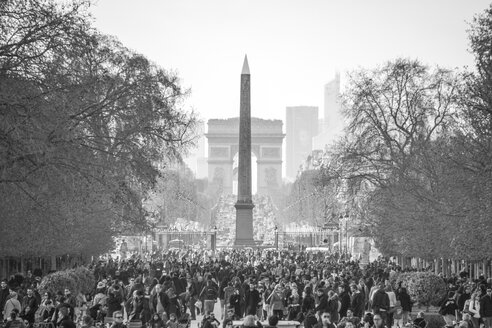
(462, 301)
(310, 319)
(474, 308)
(102, 313)
(100, 297)
(156, 321)
(29, 307)
(71, 301)
(253, 299)
(350, 317)
(65, 320)
(322, 303)
(213, 320)
(87, 322)
(294, 303)
(235, 303)
(114, 301)
(466, 321)
(227, 323)
(4, 296)
(250, 321)
(381, 303)
(378, 321)
(81, 308)
(406, 304)
(272, 321)
(118, 320)
(15, 321)
(325, 320)
(398, 321)
(209, 294)
(392, 303)
(449, 309)
(486, 308)
(11, 304)
(334, 305)
(344, 299)
(276, 301)
(368, 320)
(357, 303)
(228, 292)
(174, 303)
(46, 308)
(138, 307)
(419, 321)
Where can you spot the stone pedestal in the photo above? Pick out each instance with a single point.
(244, 224)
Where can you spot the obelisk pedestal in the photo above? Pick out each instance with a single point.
(244, 205)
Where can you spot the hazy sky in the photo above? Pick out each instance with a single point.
(293, 47)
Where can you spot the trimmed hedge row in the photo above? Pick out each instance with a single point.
(77, 280)
(424, 288)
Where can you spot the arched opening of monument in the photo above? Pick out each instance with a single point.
(254, 174)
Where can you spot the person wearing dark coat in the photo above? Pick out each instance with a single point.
(406, 304)
(323, 302)
(138, 308)
(486, 308)
(29, 306)
(235, 302)
(344, 298)
(253, 300)
(381, 303)
(114, 303)
(310, 319)
(357, 301)
(449, 309)
(307, 301)
(4, 296)
(66, 321)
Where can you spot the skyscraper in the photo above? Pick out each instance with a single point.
(332, 124)
(302, 126)
(332, 101)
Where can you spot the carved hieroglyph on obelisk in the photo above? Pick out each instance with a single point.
(244, 205)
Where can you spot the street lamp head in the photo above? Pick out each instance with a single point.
(276, 228)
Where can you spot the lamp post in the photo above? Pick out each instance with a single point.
(346, 237)
(276, 237)
(214, 244)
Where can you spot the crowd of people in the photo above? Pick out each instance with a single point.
(170, 289)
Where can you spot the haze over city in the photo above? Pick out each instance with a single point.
(293, 47)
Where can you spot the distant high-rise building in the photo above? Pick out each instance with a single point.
(332, 124)
(302, 126)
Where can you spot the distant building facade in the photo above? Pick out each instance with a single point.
(266, 145)
(301, 127)
(332, 124)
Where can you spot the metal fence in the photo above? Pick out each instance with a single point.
(182, 239)
(302, 239)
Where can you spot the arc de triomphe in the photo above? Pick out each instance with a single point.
(266, 144)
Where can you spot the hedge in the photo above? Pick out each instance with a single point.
(425, 288)
(77, 280)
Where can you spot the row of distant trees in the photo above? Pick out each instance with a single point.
(414, 168)
(87, 127)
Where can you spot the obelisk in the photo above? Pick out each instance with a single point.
(244, 205)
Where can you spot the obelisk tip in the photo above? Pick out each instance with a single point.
(245, 66)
